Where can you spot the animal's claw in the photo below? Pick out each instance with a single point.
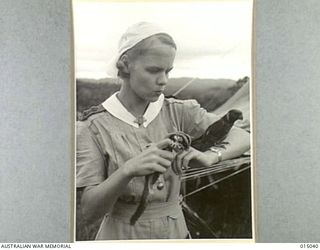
(222, 144)
(181, 141)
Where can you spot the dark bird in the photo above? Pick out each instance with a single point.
(217, 132)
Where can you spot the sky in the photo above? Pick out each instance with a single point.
(213, 37)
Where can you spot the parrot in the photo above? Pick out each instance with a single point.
(217, 132)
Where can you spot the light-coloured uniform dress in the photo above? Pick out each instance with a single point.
(106, 140)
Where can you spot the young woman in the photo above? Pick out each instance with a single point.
(124, 139)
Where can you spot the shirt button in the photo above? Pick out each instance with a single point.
(160, 186)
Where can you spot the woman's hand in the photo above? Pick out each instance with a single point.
(193, 158)
(153, 159)
(98, 200)
(239, 142)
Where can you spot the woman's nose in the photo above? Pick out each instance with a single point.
(162, 79)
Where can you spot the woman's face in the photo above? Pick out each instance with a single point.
(149, 71)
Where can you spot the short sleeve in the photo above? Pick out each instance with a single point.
(91, 168)
(196, 119)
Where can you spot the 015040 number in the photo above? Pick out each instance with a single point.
(308, 245)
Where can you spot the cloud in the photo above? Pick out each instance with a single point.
(207, 33)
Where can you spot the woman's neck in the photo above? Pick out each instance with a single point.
(134, 104)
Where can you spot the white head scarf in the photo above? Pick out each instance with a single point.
(134, 34)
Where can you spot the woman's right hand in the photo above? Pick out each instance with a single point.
(153, 159)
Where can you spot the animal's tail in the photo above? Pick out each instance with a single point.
(143, 202)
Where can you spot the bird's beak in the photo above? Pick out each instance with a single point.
(241, 117)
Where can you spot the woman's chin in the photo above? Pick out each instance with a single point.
(153, 98)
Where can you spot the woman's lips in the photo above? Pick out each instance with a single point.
(158, 92)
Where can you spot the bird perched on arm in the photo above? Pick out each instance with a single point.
(217, 132)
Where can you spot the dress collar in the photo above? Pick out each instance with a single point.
(115, 107)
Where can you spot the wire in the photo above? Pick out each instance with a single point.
(217, 168)
(217, 181)
(183, 87)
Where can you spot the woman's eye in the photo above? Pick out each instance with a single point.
(153, 70)
(158, 70)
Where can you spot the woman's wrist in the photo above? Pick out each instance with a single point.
(217, 152)
(215, 155)
(125, 172)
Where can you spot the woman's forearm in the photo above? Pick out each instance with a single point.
(238, 143)
(98, 200)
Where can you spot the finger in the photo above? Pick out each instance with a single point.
(156, 158)
(158, 168)
(180, 157)
(177, 170)
(163, 162)
(164, 143)
(166, 154)
(187, 159)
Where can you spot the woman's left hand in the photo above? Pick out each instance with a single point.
(193, 158)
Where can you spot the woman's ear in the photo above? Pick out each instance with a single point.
(122, 64)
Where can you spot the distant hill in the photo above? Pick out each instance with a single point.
(210, 93)
(92, 92)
